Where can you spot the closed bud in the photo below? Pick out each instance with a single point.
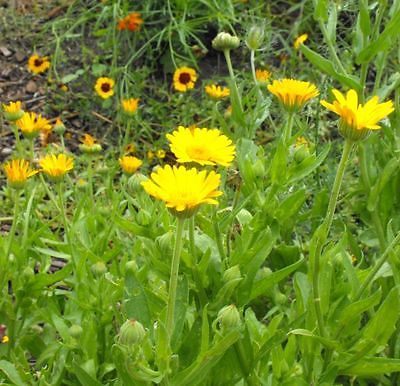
(90, 149)
(255, 37)
(75, 331)
(229, 318)
(134, 182)
(98, 269)
(232, 273)
(131, 266)
(225, 41)
(59, 127)
(132, 332)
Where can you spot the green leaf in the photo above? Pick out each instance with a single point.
(291, 205)
(383, 41)
(321, 10)
(372, 366)
(84, 377)
(328, 68)
(329, 343)
(42, 280)
(53, 253)
(279, 165)
(70, 77)
(263, 285)
(11, 373)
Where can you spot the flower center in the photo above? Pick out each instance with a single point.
(38, 62)
(184, 78)
(198, 152)
(105, 87)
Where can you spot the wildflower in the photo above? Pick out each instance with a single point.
(130, 105)
(5, 339)
(63, 87)
(130, 148)
(37, 64)
(225, 41)
(56, 166)
(183, 190)
(150, 154)
(262, 76)
(204, 146)
(160, 153)
(89, 145)
(131, 22)
(17, 172)
(184, 78)
(31, 123)
(300, 40)
(293, 94)
(217, 92)
(356, 120)
(13, 111)
(104, 87)
(59, 127)
(130, 164)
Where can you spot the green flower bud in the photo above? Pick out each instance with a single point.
(232, 273)
(134, 182)
(131, 266)
(59, 127)
(255, 37)
(225, 41)
(13, 116)
(132, 332)
(75, 331)
(229, 318)
(98, 269)
(90, 149)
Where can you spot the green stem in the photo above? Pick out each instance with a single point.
(173, 281)
(377, 267)
(287, 132)
(324, 232)
(253, 71)
(13, 226)
(235, 90)
(90, 180)
(218, 239)
(63, 215)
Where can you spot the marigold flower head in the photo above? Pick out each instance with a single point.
(300, 40)
(183, 190)
(17, 172)
(130, 164)
(104, 87)
(262, 76)
(89, 144)
(31, 124)
(356, 120)
(56, 166)
(13, 111)
(131, 22)
(38, 64)
(130, 105)
(203, 146)
(59, 127)
(217, 92)
(184, 79)
(293, 94)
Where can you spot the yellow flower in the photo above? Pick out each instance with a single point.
(356, 119)
(183, 190)
(5, 339)
(130, 105)
(130, 148)
(130, 164)
(89, 144)
(31, 123)
(204, 146)
(293, 94)
(217, 92)
(37, 64)
(56, 166)
(262, 75)
(160, 153)
(150, 154)
(104, 87)
(13, 111)
(300, 40)
(17, 172)
(184, 78)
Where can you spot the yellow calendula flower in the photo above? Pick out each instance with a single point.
(130, 105)
(56, 166)
(17, 172)
(292, 93)
(300, 40)
(262, 76)
(13, 111)
(38, 64)
(184, 79)
(104, 87)
(130, 164)
(183, 190)
(89, 144)
(217, 92)
(356, 120)
(203, 146)
(31, 124)
(161, 153)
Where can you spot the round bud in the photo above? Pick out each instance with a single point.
(132, 332)
(255, 37)
(225, 41)
(229, 317)
(98, 269)
(75, 331)
(232, 273)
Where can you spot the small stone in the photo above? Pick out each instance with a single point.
(31, 87)
(5, 51)
(6, 151)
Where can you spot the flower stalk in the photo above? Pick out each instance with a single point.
(227, 54)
